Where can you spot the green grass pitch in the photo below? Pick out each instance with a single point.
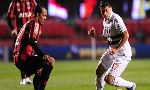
(76, 75)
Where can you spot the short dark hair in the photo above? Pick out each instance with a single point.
(103, 4)
(38, 9)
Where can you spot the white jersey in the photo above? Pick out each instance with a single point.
(113, 30)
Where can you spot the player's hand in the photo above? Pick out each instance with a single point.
(91, 32)
(113, 51)
(49, 59)
(14, 32)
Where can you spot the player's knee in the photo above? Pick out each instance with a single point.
(109, 79)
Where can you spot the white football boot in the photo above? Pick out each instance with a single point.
(23, 82)
(27, 80)
(133, 87)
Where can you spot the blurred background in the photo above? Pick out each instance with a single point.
(64, 34)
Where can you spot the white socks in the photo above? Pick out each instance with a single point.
(100, 83)
(122, 83)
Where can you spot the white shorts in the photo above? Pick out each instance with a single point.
(115, 64)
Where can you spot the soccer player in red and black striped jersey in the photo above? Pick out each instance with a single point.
(26, 43)
(19, 12)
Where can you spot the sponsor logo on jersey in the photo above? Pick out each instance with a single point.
(28, 14)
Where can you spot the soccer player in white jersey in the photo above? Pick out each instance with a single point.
(114, 61)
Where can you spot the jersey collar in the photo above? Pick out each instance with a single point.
(110, 15)
(109, 19)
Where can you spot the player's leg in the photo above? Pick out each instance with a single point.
(113, 77)
(45, 74)
(21, 66)
(101, 70)
(34, 64)
(36, 81)
(119, 82)
(23, 81)
(100, 75)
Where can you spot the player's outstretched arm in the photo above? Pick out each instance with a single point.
(92, 33)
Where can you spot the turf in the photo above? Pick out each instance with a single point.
(76, 75)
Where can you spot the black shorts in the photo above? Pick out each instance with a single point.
(31, 65)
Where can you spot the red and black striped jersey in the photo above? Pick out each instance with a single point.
(20, 11)
(26, 41)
